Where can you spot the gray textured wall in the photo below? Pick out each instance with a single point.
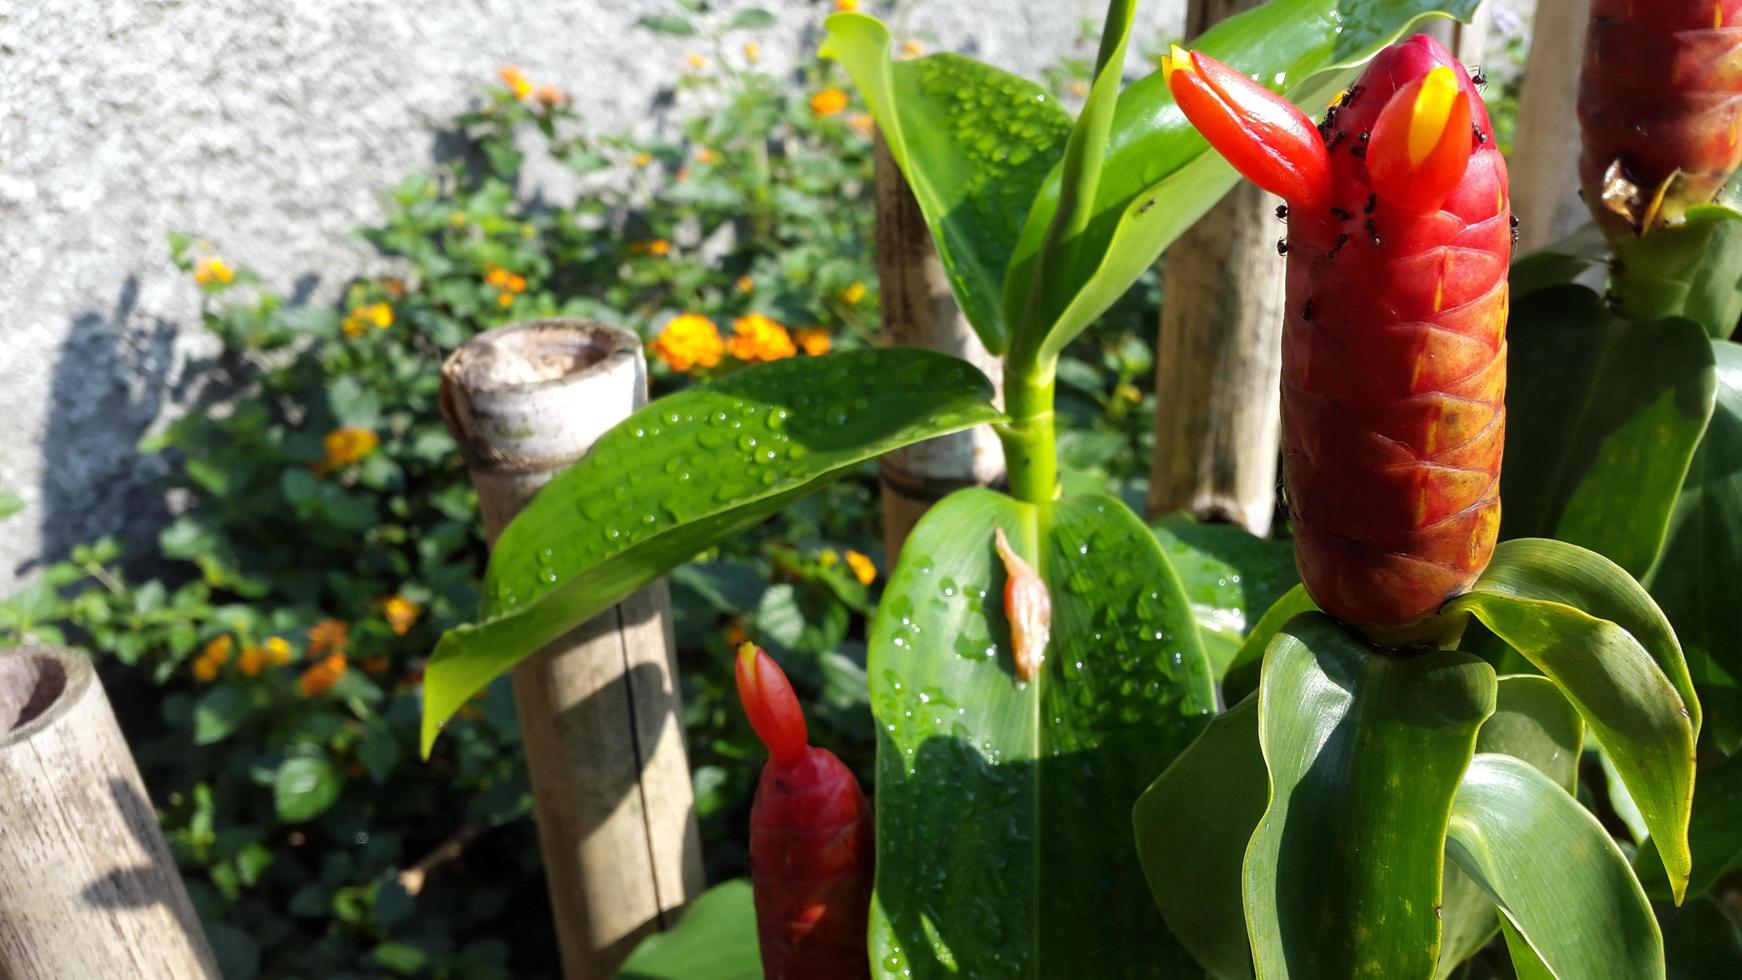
(271, 128)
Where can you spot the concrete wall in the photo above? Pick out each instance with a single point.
(270, 127)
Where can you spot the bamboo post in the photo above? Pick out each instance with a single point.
(87, 884)
(600, 709)
(1545, 158)
(1218, 358)
(920, 311)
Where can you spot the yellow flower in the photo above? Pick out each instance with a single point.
(695, 61)
(689, 341)
(642, 159)
(328, 636)
(757, 338)
(912, 49)
(348, 445)
(828, 558)
(707, 156)
(752, 51)
(862, 123)
(1079, 88)
(205, 671)
(863, 569)
(1128, 392)
(277, 651)
(746, 284)
(853, 294)
(527, 231)
(218, 650)
(659, 246)
(381, 315)
(828, 102)
(516, 82)
(847, 6)
(353, 327)
(457, 219)
(495, 275)
(812, 340)
(207, 271)
(401, 614)
(252, 661)
(505, 300)
(322, 675)
(517, 283)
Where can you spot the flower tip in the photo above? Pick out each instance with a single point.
(1421, 142)
(1431, 111)
(1175, 59)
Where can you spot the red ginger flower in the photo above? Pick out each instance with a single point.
(1394, 351)
(1660, 106)
(810, 840)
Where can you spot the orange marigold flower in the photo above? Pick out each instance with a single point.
(328, 636)
(689, 341)
(320, 676)
(862, 123)
(550, 96)
(206, 671)
(812, 340)
(853, 294)
(707, 156)
(659, 246)
(210, 270)
(828, 102)
(375, 665)
(516, 82)
(912, 49)
(695, 61)
(252, 661)
(505, 300)
(277, 651)
(863, 568)
(401, 614)
(757, 338)
(218, 649)
(395, 288)
(353, 327)
(517, 283)
(847, 6)
(746, 284)
(682, 175)
(495, 275)
(348, 445)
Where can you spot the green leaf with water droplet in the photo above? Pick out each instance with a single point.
(1365, 750)
(1586, 624)
(1003, 807)
(1570, 902)
(1159, 175)
(683, 474)
(1231, 576)
(974, 144)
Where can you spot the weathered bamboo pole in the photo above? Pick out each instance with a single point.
(87, 884)
(1218, 358)
(1545, 157)
(600, 709)
(920, 311)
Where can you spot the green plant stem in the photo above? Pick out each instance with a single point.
(1030, 445)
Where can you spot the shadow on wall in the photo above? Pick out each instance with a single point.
(111, 380)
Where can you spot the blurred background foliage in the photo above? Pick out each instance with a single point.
(265, 651)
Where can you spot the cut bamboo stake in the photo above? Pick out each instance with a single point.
(600, 710)
(1218, 358)
(1545, 158)
(920, 311)
(87, 884)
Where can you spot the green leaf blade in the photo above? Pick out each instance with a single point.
(1004, 846)
(686, 472)
(1564, 887)
(1342, 878)
(715, 940)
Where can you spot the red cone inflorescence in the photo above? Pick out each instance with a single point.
(1660, 106)
(1394, 349)
(811, 845)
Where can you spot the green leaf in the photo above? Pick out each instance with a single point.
(1562, 885)
(1602, 417)
(1193, 825)
(1595, 632)
(1365, 751)
(1714, 833)
(668, 24)
(304, 788)
(1230, 575)
(1003, 836)
(973, 142)
(684, 473)
(218, 713)
(1160, 176)
(1243, 672)
(750, 18)
(1532, 722)
(1695, 578)
(1692, 270)
(1572, 258)
(715, 940)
